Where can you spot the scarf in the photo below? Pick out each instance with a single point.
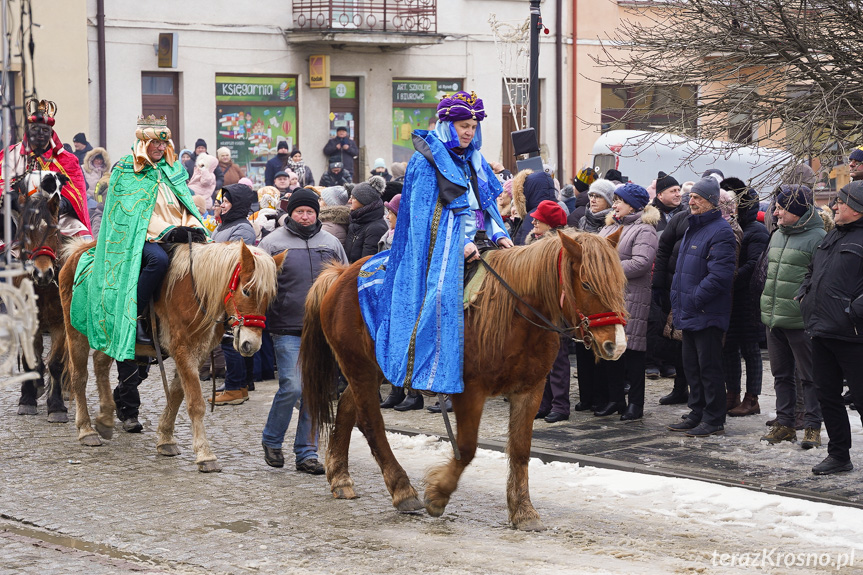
(299, 169)
(360, 212)
(305, 232)
(594, 222)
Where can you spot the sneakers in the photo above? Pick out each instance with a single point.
(273, 456)
(704, 429)
(832, 465)
(684, 425)
(811, 438)
(231, 397)
(311, 466)
(779, 433)
(749, 406)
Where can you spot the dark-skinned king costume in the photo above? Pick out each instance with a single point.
(145, 202)
(74, 219)
(411, 295)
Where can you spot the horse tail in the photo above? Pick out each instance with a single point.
(317, 361)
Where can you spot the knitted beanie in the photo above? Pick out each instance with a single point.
(707, 188)
(604, 189)
(367, 192)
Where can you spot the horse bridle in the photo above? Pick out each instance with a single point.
(238, 319)
(585, 322)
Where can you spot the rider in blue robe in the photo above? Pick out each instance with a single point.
(411, 295)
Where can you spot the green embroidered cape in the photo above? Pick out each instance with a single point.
(104, 301)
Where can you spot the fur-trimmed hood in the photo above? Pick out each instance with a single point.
(827, 217)
(340, 215)
(518, 192)
(649, 215)
(88, 160)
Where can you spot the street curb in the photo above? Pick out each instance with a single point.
(549, 455)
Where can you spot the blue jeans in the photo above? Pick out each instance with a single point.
(235, 368)
(287, 351)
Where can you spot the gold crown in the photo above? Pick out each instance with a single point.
(470, 100)
(44, 107)
(152, 121)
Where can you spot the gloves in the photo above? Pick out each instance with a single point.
(180, 235)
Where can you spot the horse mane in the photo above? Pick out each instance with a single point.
(533, 270)
(212, 266)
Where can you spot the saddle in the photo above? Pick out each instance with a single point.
(474, 274)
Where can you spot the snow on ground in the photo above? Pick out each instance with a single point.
(649, 524)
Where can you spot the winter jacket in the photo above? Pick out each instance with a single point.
(831, 297)
(236, 230)
(203, 181)
(277, 164)
(336, 220)
(334, 153)
(745, 321)
(665, 213)
(304, 260)
(386, 241)
(329, 179)
(232, 173)
(703, 277)
(533, 190)
(667, 252)
(364, 232)
(92, 174)
(582, 204)
(637, 250)
(217, 172)
(789, 255)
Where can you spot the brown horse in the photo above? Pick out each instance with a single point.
(208, 286)
(573, 274)
(39, 244)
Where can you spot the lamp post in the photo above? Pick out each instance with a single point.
(535, 25)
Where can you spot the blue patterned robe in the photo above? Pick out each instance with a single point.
(411, 295)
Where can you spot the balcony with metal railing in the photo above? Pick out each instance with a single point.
(390, 23)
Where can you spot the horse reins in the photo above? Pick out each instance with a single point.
(584, 322)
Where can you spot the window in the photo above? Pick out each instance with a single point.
(634, 107)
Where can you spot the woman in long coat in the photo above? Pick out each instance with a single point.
(637, 249)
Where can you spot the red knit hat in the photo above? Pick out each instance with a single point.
(549, 213)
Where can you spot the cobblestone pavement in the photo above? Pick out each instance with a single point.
(120, 508)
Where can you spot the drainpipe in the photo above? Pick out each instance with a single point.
(558, 82)
(574, 87)
(103, 88)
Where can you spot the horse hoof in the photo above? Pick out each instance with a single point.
(345, 493)
(530, 525)
(410, 505)
(434, 509)
(209, 466)
(91, 440)
(26, 410)
(168, 450)
(58, 417)
(105, 431)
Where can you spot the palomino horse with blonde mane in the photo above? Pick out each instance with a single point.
(208, 287)
(572, 276)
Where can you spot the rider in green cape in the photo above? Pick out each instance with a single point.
(147, 199)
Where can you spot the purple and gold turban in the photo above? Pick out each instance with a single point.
(460, 106)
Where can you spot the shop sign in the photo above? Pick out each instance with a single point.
(407, 92)
(343, 90)
(255, 89)
(319, 71)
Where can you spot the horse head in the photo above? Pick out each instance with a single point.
(594, 299)
(38, 231)
(252, 286)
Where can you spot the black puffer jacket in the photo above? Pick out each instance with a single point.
(365, 230)
(745, 313)
(582, 201)
(831, 297)
(666, 256)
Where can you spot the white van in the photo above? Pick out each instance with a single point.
(640, 156)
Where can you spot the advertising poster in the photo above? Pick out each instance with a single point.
(414, 108)
(254, 114)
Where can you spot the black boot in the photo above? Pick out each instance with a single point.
(609, 409)
(633, 411)
(396, 396)
(413, 400)
(142, 332)
(677, 395)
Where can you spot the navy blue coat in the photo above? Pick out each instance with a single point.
(701, 288)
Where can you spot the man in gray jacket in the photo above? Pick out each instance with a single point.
(308, 248)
